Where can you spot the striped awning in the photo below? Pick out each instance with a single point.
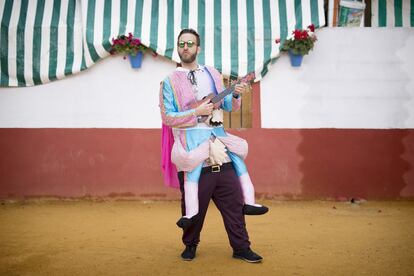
(392, 13)
(45, 40)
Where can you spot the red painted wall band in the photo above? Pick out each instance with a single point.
(302, 163)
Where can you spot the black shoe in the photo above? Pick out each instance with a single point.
(185, 223)
(254, 210)
(189, 252)
(247, 255)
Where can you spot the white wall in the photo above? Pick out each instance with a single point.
(354, 78)
(108, 95)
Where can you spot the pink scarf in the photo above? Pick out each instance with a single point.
(168, 168)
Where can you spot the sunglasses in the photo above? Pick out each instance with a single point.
(189, 43)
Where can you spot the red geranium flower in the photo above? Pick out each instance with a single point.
(311, 27)
(301, 42)
(297, 34)
(304, 35)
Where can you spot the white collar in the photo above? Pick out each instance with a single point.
(199, 67)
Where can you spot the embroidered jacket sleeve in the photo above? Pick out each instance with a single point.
(170, 113)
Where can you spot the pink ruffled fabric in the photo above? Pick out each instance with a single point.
(189, 160)
(235, 144)
(168, 168)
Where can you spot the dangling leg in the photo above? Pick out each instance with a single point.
(191, 163)
(190, 198)
(250, 207)
(247, 189)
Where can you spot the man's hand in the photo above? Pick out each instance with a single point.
(218, 152)
(240, 89)
(204, 109)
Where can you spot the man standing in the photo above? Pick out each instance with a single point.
(179, 91)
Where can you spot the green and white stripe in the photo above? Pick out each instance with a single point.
(392, 13)
(45, 40)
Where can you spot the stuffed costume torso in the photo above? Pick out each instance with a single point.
(176, 97)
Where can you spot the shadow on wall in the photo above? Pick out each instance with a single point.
(408, 155)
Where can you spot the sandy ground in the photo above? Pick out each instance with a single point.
(39, 237)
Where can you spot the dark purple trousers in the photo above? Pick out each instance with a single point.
(224, 188)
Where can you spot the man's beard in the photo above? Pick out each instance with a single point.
(188, 59)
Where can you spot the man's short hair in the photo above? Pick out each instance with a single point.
(189, 31)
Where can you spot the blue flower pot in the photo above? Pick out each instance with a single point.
(295, 60)
(136, 60)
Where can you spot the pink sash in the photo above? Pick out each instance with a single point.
(168, 168)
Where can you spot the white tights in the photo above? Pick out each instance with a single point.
(191, 195)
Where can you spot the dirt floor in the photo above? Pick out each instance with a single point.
(90, 237)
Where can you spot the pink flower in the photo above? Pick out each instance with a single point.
(129, 37)
(135, 42)
(126, 44)
(277, 40)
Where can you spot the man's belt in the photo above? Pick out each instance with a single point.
(217, 168)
